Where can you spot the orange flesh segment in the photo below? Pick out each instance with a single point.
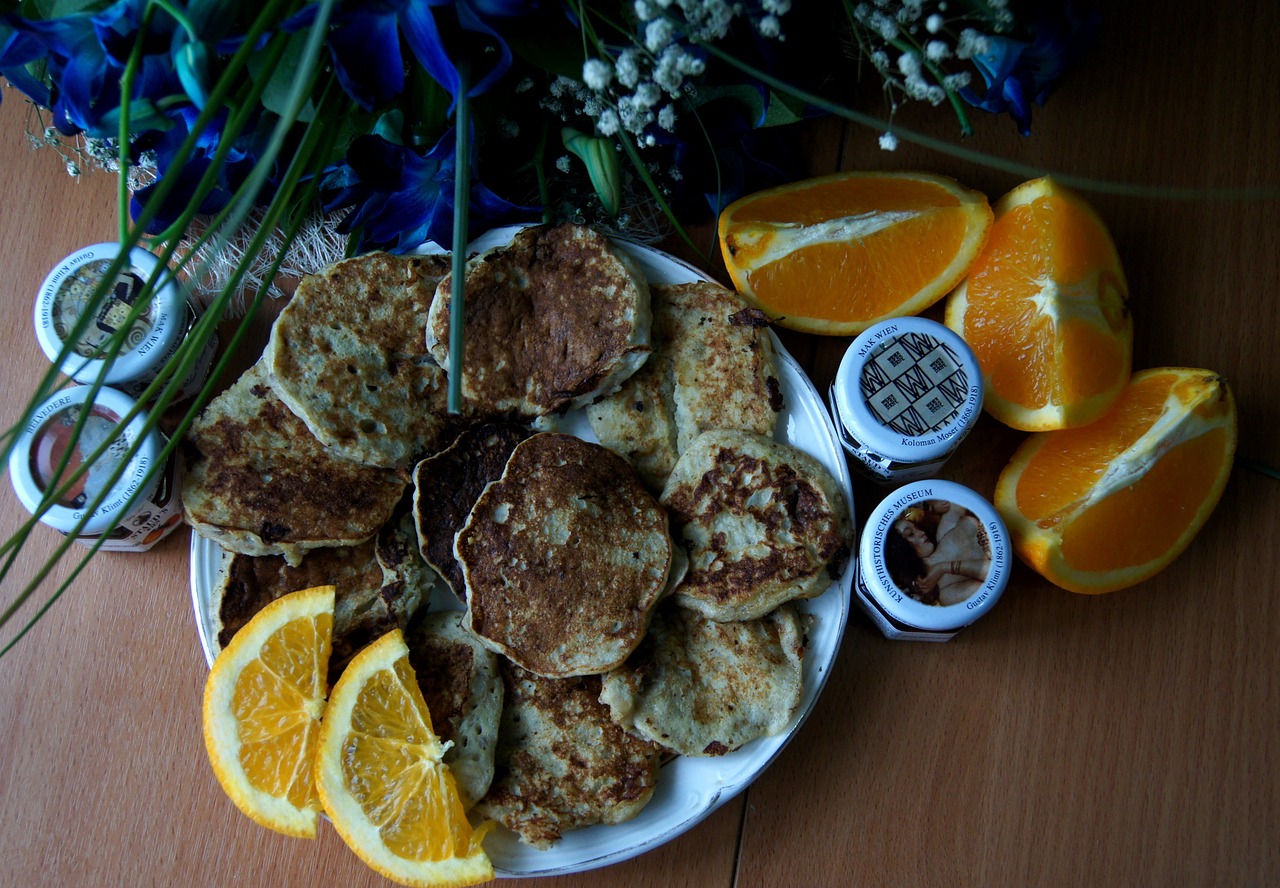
(390, 716)
(1049, 240)
(1070, 462)
(270, 705)
(894, 263)
(1144, 521)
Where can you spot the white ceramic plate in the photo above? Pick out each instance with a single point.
(689, 789)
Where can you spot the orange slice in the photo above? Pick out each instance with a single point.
(262, 706)
(837, 253)
(1044, 309)
(380, 775)
(1105, 506)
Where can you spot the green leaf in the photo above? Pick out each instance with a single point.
(275, 96)
(601, 159)
(739, 93)
(783, 109)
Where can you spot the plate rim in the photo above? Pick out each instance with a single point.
(207, 559)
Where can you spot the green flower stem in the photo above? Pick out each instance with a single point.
(461, 204)
(173, 442)
(179, 16)
(246, 196)
(540, 171)
(122, 135)
(217, 97)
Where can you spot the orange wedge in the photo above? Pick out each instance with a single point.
(262, 706)
(1044, 309)
(1099, 508)
(837, 253)
(380, 775)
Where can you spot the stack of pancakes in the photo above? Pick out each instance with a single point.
(597, 607)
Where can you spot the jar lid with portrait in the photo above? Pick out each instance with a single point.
(934, 557)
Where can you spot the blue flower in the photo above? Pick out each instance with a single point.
(85, 57)
(364, 41)
(1018, 72)
(239, 162)
(402, 199)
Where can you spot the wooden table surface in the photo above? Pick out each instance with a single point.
(1130, 739)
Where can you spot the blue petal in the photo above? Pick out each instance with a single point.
(423, 36)
(366, 56)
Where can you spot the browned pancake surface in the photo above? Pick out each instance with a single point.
(552, 320)
(561, 762)
(564, 558)
(447, 485)
(258, 482)
(348, 356)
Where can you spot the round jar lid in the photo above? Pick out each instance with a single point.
(908, 389)
(67, 293)
(935, 555)
(46, 438)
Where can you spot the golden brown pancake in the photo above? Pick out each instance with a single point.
(259, 483)
(763, 523)
(564, 557)
(562, 763)
(553, 320)
(380, 584)
(446, 485)
(699, 687)
(712, 368)
(347, 356)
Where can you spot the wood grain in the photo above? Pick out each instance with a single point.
(1128, 739)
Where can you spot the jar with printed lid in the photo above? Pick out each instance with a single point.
(906, 394)
(127, 497)
(934, 557)
(151, 339)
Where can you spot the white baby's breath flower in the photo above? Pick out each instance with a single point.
(935, 94)
(646, 11)
(628, 68)
(657, 35)
(933, 24)
(888, 142)
(597, 74)
(607, 123)
(957, 81)
(936, 51)
(770, 26)
(972, 43)
(776, 7)
(564, 163)
(909, 64)
(667, 118)
(886, 25)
